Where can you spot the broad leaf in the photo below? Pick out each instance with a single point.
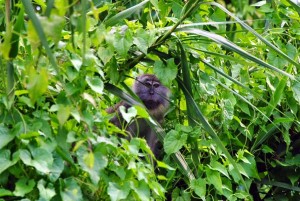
(5, 136)
(174, 140)
(165, 73)
(117, 192)
(24, 186)
(71, 190)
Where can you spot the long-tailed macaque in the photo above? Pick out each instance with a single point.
(155, 97)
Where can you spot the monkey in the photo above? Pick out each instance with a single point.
(155, 96)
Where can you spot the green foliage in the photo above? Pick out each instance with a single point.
(232, 130)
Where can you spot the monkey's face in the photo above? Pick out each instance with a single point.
(153, 94)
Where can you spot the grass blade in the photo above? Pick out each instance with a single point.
(273, 47)
(260, 138)
(10, 81)
(190, 112)
(207, 127)
(231, 46)
(124, 14)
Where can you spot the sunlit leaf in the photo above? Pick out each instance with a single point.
(122, 43)
(214, 178)
(199, 186)
(38, 83)
(215, 165)
(165, 73)
(95, 83)
(76, 61)
(92, 162)
(6, 160)
(296, 90)
(63, 113)
(117, 192)
(24, 186)
(173, 141)
(41, 159)
(5, 136)
(46, 192)
(142, 190)
(71, 191)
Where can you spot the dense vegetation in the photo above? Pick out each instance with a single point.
(231, 133)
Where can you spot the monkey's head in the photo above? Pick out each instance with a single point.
(154, 95)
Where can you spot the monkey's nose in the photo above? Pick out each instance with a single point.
(151, 91)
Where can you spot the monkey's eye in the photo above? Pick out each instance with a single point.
(148, 84)
(156, 85)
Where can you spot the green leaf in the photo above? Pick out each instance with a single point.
(219, 16)
(142, 190)
(266, 149)
(95, 83)
(41, 159)
(76, 61)
(129, 114)
(214, 178)
(4, 192)
(180, 195)
(143, 40)
(124, 14)
(71, 191)
(276, 97)
(244, 107)
(24, 186)
(38, 83)
(296, 90)
(199, 186)
(5, 136)
(52, 26)
(228, 109)
(63, 114)
(249, 165)
(215, 165)
(294, 160)
(164, 165)
(46, 192)
(122, 43)
(92, 162)
(113, 72)
(165, 73)
(5, 159)
(56, 168)
(105, 54)
(275, 60)
(173, 141)
(117, 192)
(119, 170)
